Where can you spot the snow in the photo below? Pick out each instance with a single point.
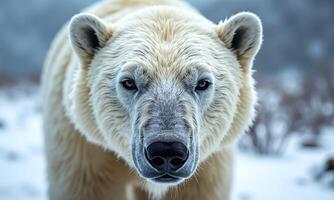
(23, 169)
(290, 176)
(22, 165)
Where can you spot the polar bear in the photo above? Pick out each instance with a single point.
(145, 100)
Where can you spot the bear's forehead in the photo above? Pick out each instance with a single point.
(165, 41)
(167, 58)
(165, 22)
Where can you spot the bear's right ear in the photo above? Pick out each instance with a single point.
(88, 34)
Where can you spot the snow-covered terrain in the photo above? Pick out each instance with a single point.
(287, 177)
(22, 165)
(23, 175)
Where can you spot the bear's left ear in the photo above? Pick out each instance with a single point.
(88, 34)
(242, 33)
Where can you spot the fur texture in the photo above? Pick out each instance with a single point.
(92, 125)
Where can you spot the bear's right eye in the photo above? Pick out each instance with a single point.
(202, 85)
(129, 84)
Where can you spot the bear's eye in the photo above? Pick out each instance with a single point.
(129, 84)
(202, 85)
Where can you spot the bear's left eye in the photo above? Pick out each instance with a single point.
(129, 84)
(202, 85)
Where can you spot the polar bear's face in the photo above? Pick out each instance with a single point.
(163, 87)
(164, 109)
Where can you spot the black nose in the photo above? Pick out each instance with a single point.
(167, 156)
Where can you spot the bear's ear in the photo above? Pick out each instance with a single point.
(242, 33)
(88, 34)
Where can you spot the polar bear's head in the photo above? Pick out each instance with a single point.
(163, 88)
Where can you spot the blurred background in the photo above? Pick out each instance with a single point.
(287, 154)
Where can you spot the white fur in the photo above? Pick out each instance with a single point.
(88, 130)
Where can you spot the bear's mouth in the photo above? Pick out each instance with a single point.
(166, 178)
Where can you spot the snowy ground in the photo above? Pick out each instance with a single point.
(22, 166)
(290, 176)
